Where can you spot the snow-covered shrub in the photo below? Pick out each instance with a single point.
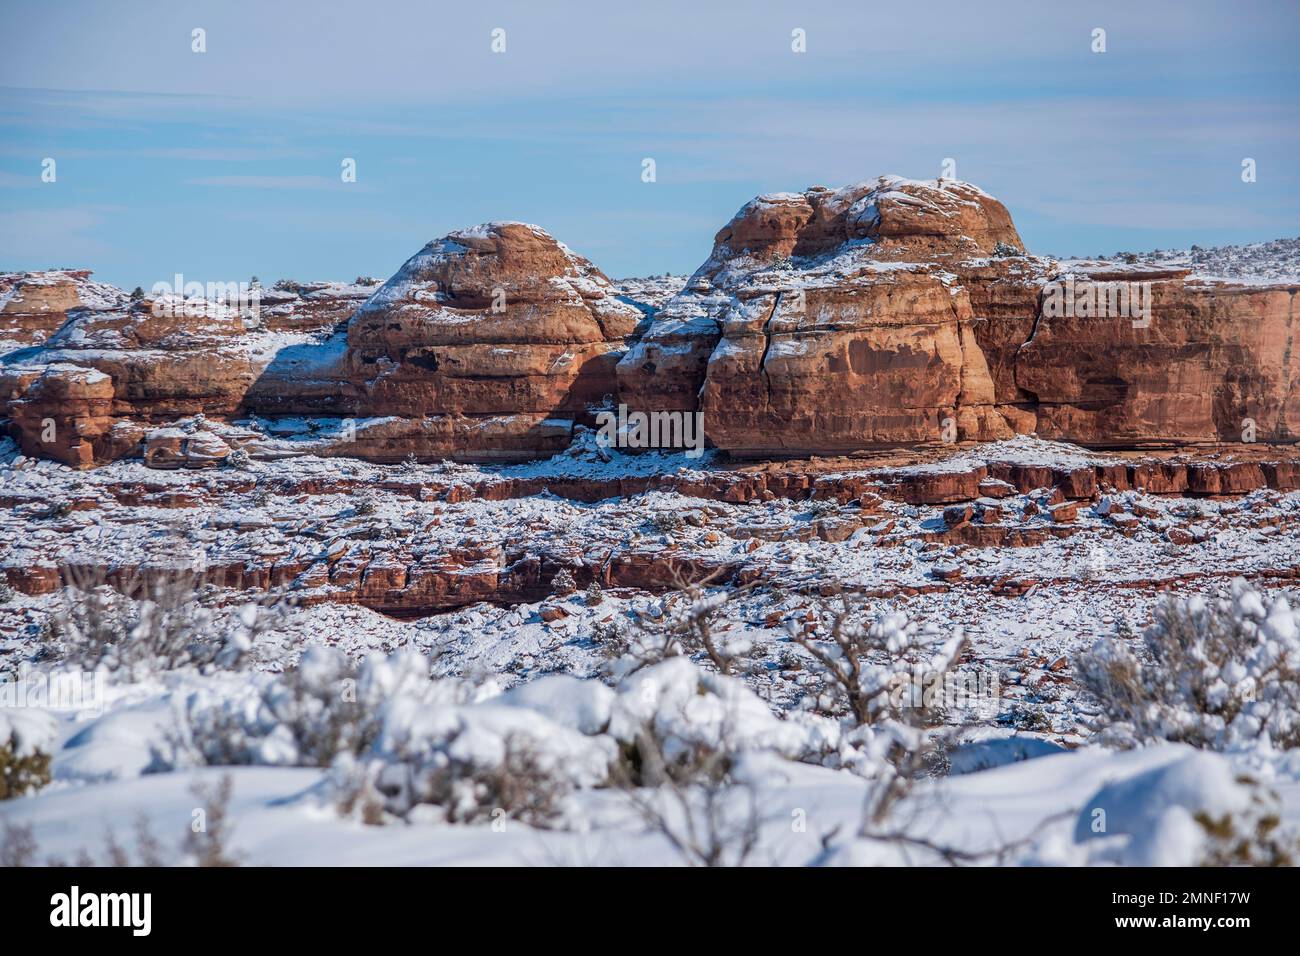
(881, 667)
(611, 637)
(21, 772)
(451, 469)
(7, 593)
(668, 719)
(682, 733)
(208, 846)
(56, 509)
(516, 779)
(593, 596)
(1192, 811)
(307, 716)
(692, 622)
(1218, 673)
(27, 738)
(563, 583)
(239, 459)
(151, 622)
(471, 764)
(365, 504)
(823, 507)
(684, 622)
(666, 522)
(394, 739)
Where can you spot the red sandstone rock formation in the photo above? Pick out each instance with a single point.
(290, 306)
(62, 412)
(34, 304)
(837, 320)
(487, 344)
(826, 322)
(899, 312)
(1212, 362)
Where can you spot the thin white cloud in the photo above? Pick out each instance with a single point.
(275, 182)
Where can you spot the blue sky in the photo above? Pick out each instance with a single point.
(225, 164)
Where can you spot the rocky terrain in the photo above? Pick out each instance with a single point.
(406, 485)
(883, 314)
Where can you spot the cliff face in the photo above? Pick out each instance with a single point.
(845, 321)
(34, 304)
(1214, 363)
(904, 312)
(886, 313)
(489, 342)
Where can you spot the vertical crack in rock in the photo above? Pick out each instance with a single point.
(1281, 429)
(767, 347)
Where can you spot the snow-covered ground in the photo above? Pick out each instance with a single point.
(1258, 262)
(593, 725)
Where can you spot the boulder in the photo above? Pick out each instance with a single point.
(179, 448)
(34, 304)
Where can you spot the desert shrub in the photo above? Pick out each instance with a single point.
(593, 596)
(611, 637)
(519, 782)
(686, 621)
(56, 509)
(23, 770)
(468, 763)
(666, 522)
(1193, 810)
(152, 621)
(365, 504)
(563, 583)
(208, 845)
(394, 739)
(696, 802)
(7, 593)
(692, 622)
(451, 469)
(685, 735)
(823, 507)
(1254, 837)
(28, 735)
(239, 459)
(876, 667)
(17, 845)
(308, 716)
(1217, 673)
